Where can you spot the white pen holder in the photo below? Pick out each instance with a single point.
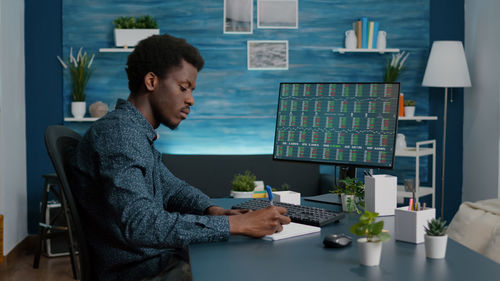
(381, 194)
(409, 225)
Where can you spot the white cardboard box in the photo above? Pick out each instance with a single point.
(291, 197)
(381, 194)
(409, 225)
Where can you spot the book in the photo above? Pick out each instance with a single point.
(364, 29)
(375, 34)
(359, 33)
(370, 35)
(292, 230)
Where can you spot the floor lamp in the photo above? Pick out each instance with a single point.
(446, 68)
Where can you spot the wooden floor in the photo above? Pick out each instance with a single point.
(19, 267)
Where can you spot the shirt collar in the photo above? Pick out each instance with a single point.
(138, 117)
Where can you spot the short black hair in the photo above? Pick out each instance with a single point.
(159, 54)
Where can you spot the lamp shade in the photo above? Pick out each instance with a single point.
(447, 66)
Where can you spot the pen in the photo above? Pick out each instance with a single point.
(270, 194)
(410, 207)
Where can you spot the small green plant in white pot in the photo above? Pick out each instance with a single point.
(436, 239)
(130, 30)
(80, 69)
(352, 193)
(410, 108)
(243, 185)
(372, 235)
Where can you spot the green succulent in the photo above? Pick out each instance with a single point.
(285, 186)
(143, 22)
(244, 182)
(436, 227)
(410, 103)
(369, 228)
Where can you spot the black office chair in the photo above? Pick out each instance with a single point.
(61, 143)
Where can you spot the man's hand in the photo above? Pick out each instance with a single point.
(218, 211)
(259, 223)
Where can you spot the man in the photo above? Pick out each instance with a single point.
(138, 217)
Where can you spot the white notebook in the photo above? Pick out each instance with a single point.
(292, 230)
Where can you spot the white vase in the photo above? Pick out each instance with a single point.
(435, 246)
(409, 111)
(348, 203)
(78, 109)
(241, 194)
(369, 252)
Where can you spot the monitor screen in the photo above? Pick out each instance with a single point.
(346, 124)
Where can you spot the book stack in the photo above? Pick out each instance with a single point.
(366, 33)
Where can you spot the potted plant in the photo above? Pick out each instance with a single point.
(436, 239)
(410, 108)
(80, 69)
(129, 30)
(352, 191)
(372, 236)
(395, 66)
(243, 185)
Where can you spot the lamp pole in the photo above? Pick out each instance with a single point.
(444, 149)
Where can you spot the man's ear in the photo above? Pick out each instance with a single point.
(150, 81)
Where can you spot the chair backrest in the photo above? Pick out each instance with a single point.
(61, 143)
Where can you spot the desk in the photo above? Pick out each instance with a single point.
(304, 258)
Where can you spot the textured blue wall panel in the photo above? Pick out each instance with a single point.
(242, 103)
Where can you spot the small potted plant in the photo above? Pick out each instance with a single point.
(372, 236)
(129, 30)
(243, 185)
(80, 69)
(436, 239)
(351, 191)
(410, 108)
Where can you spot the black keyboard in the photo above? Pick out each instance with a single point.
(297, 213)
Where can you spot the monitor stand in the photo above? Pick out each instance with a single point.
(347, 171)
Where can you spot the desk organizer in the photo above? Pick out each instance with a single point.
(381, 193)
(409, 225)
(291, 197)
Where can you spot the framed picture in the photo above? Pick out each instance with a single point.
(277, 13)
(267, 55)
(238, 16)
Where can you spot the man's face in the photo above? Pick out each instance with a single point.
(172, 99)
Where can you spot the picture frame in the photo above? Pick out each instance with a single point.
(238, 17)
(278, 14)
(267, 54)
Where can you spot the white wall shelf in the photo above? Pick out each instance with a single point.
(84, 119)
(359, 50)
(422, 148)
(116, 50)
(417, 118)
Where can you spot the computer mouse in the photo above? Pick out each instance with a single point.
(337, 240)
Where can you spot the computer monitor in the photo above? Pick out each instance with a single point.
(344, 124)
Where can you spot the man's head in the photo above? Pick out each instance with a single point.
(162, 72)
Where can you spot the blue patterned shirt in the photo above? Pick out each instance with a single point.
(136, 213)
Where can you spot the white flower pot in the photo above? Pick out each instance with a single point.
(409, 111)
(241, 194)
(131, 37)
(348, 203)
(78, 109)
(435, 246)
(369, 252)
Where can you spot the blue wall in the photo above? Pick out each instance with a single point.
(236, 107)
(246, 93)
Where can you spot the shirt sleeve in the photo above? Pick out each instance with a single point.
(137, 207)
